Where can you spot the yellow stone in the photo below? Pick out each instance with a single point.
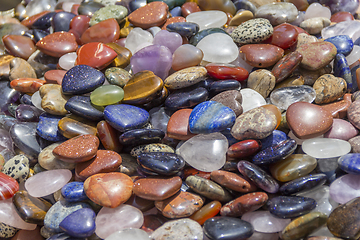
(123, 55)
(296, 80)
(241, 17)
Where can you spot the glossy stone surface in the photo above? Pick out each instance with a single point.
(246, 203)
(74, 192)
(24, 137)
(277, 13)
(57, 44)
(117, 12)
(152, 147)
(231, 180)
(303, 184)
(110, 31)
(152, 14)
(48, 161)
(27, 85)
(186, 97)
(80, 223)
(17, 167)
(227, 228)
(178, 125)
(8, 186)
(9, 216)
(328, 88)
(19, 68)
(345, 188)
(73, 126)
(130, 234)
(261, 55)
(81, 105)
(343, 43)
(162, 163)
(19, 46)
(185, 77)
(252, 31)
(95, 54)
(106, 95)
(208, 19)
(47, 128)
(186, 56)
(341, 129)
(316, 55)
(326, 147)
(265, 222)
(117, 76)
(182, 228)
(284, 67)
(275, 153)
(290, 206)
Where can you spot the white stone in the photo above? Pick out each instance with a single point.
(264, 221)
(182, 229)
(317, 10)
(129, 234)
(36, 100)
(251, 99)
(345, 188)
(354, 55)
(325, 147)
(208, 19)
(342, 28)
(138, 37)
(315, 25)
(67, 61)
(9, 216)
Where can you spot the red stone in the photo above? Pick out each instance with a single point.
(151, 15)
(105, 31)
(96, 55)
(283, 68)
(8, 186)
(19, 46)
(78, 26)
(341, 17)
(223, 72)
(244, 148)
(57, 44)
(108, 189)
(261, 55)
(284, 36)
(54, 76)
(27, 85)
(231, 180)
(173, 20)
(109, 137)
(189, 7)
(28, 22)
(208, 211)
(194, 172)
(178, 125)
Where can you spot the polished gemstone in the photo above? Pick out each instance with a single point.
(290, 206)
(261, 55)
(96, 55)
(57, 44)
(110, 31)
(227, 228)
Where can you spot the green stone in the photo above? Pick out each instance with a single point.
(194, 40)
(115, 11)
(107, 95)
(117, 76)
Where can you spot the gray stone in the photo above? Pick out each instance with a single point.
(278, 12)
(252, 31)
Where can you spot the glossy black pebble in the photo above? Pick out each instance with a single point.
(290, 206)
(141, 136)
(161, 162)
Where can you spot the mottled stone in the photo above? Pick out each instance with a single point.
(231, 180)
(353, 114)
(316, 55)
(185, 77)
(117, 76)
(252, 31)
(179, 229)
(52, 99)
(231, 99)
(262, 81)
(117, 12)
(277, 13)
(152, 147)
(315, 25)
(7, 231)
(328, 88)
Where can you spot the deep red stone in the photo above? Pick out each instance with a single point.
(57, 44)
(96, 55)
(341, 17)
(78, 26)
(178, 125)
(223, 72)
(19, 46)
(108, 136)
(284, 36)
(244, 148)
(300, 30)
(8, 186)
(261, 55)
(283, 68)
(105, 31)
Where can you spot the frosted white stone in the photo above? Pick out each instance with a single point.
(67, 61)
(325, 147)
(208, 19)
(251, 99)
(129, 234)
(136, 37)
(9, 215)
(317, 10)
(36, 100)
(342, 28)
(181, 229)
(264, 221)
(354, 55)
(345, 188)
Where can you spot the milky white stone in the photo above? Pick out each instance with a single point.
(325, 147)
(111, 220)
(208, 19)
(67, 61)
(129, 234)
(219, 48)
(251, 99)
(205, 152)
(264, 221)
(345, 188)
(154, 30)
(342, 28)
(9, 215)
(36, 100)
(261, 236)
(354, 55)
(48, 182)
(182, 229)
(138, 37)
(317, 10)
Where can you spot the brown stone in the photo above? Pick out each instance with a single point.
(19, 68)
(188, 8)
(151, 15)
(5, 66)
(78, 149)
(57, 44)
(262, 81)
(178, 125)
(157, 188)
(108, 189)
(19, 46)
(231, 180)
(338, 109)
(308, 120)
(328, 88)
(140, 203)
(123, 55)
(106, 31)
(261, 55)
(231, 99)
(241, 17)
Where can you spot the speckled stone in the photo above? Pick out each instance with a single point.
(353, 114)
(179, 229)
(185, 77)
(153, 147)
(262, 81)
(19, 68)
(328, 88)
(74, 192)
(17, 168)
(52, 99)
(117, 12)
(355, 144)
(117, 76)
(7, 231)
(252, 31)
(290, 206)
(231, 181)
(275, 152)
(152, 14)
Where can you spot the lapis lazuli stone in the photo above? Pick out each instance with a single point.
(47, 128)
(141, 136)
(124, 117)
(185, 29)
(290, 206)
(342, 69)
(64, 236)
(80, 223)
(211, 116)
(227, 228)
(44, 22)
(24, 137)
(275, 138)
(74, 192)
(164, 163)
(186, 98)
(275, 153)
(61, 21)
(303, 184)
(219, 86)
(350, 163)
(82, 79)
(81, 106)
(343, 43)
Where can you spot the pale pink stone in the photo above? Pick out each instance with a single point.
(67, 61)
(345, 188)
(8, 215)
(341, 129)
(317, 10)
(262, 236)
(265, 222)
(48, 182)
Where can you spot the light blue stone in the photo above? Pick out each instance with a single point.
(273, 139)
(176, 11)
(185, 29)
(350, 163)
(47, 128)
(211, 116)
(74, 192)
(125, 117)
(342, 69)
(343, 43)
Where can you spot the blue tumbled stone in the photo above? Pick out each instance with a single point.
(303, 184)
(350, 163)
(342, 69)
(64, 236)
(44, 22)
(47, 128)
(276, 137)
(185, 29)
(141, 136)
(217, 87)
(74, 192)
(80, 223)
(164, 163)
(275, 153)
(124, 117)
(81, 106)
(82, 79)
(343, 43)
(211, 116)
(186, 98)
(61, 21)
(176, 11)
(290, 206)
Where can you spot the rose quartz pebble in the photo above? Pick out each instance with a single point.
(185, 56)
(67, 61)
(264, 221)
(9, 215)
(19, 46)
(317, 10)
(54, 76)
(106, 32)
(57, 44)
(341, 129)
(48, 182)
(110, 220)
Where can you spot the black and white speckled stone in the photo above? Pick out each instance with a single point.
(17, 167)
(7, 231)
(252, 31)
(153, 147)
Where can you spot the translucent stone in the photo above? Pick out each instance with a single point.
(241, 63)
(205, 152)
(9, 215)
(111, 220)
(154, 30)
(284, 97)
(251, 99)
(159, 119)
(264, 221)
(354, 55)
(172, 40)
(136, 37)
(67, 61)
(48, 182)
(208, 19)
(38, 6)
(325, 147)
(36, 100)
(219, 48)
(129, 234)
(322, 197)
(107, 95)
(185, 56)
(345, 188)
(342, 28)
(317, 10)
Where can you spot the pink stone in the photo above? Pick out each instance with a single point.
(8, 215)
(345, 188)
(341, 129)
(48, 182)
(172, 40)
(264, 221)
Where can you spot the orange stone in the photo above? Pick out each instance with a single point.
(208, 211)
(178, 125)
(151, 15)
(105, 31)
(57, 44)
(27, 85)
(194, 172)
(96, 55)
(231, 181)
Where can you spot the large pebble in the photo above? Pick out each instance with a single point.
(150, 15)
(227, 228)
(262, 81)
(208, 19)
(290, 206)
(316, 55)
(277, 13)
(261, 55)
(252, 31)
(179, 229)
(19, 68)
(80, 223)
(185, 77)
(52, 99)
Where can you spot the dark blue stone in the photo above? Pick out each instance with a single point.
(47, 128)
(341, 69)
(39, 34)
(227, 228)
(74, 192)
(82, 79)
(44, 22)
(343, 43)
(186, 98)
(276, 137)
(350, 163)
(185, 29)
(64, 236)
(275, 153)
(89, 8)
(141, 136)
(61, 21)
(204, 83)
(357, 41)
(194, 40)
(135, 4)
(176, 11)
(81, 106)
(125, 117)
(24, 137)
(164, 163)
(217, 87)
(26, 99)
(245, 5)
(211, 116)
(27, 113)
(7, 95)
(290, 206)
(80, 223)
(230, 138)
(303, 184)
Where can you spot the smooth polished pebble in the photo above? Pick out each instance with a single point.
(316, 55)
(57, 44)
(162, 163)
(227, 228)
(184, 228)
(74, 192)
(341, 129)
(328, 88)
(81, 106)
(326, 147)
(275, 153)
(261, 55)
(80, 223)
(208, 19)
(107, 95)
(73, 126)
(290, 206)
(265, 222)
(186, 97)
(185, 56)
(52, 99)
(345, 188)
(17, 168)
(144, 17)
(303, 184)
(231, 180)
(277, 13)
(343, 43)
(95, 54)
(262, 80)
(48, 161)
(109, 28)
(252, 31)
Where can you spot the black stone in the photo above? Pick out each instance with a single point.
(161, 162)
(290, 206)
(227, 228)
